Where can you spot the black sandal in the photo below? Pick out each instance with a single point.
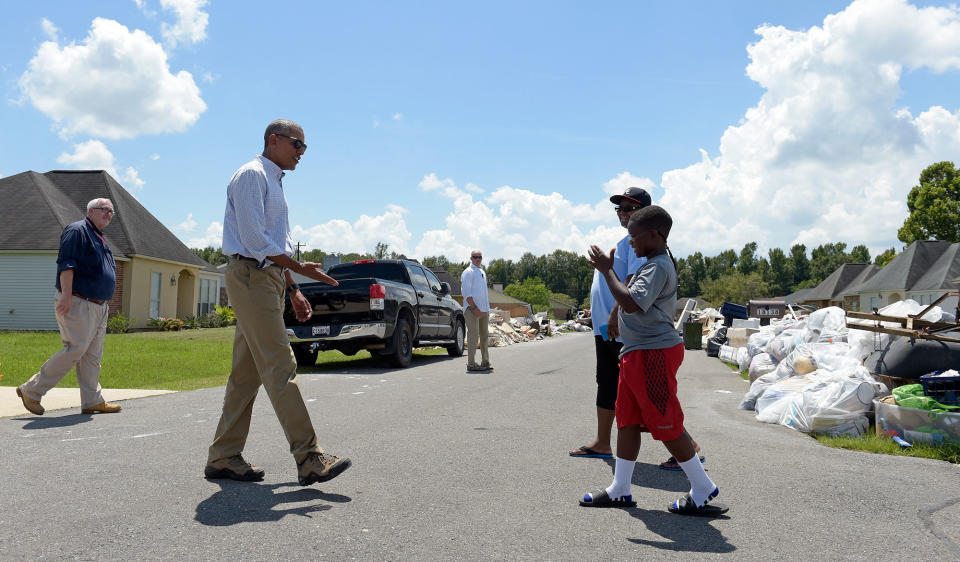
(601, 499)
(686, 506)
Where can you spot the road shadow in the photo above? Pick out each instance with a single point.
(48, 422)
(681, 533)
(648, 475)
(375, 365)
(254, 502)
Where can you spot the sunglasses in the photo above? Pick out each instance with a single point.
(476, 257)
(297, 143)
(625, 209)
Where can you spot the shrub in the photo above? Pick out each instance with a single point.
(211, 320)
(226, 315)
(119, 324)
(191, 322)
(164, 323)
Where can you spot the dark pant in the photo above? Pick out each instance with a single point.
(608, 371)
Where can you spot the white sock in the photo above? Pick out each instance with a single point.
(622, 479)
(701, 487)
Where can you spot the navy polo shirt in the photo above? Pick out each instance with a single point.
(83, 251)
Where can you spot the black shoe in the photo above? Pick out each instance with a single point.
(234, 468)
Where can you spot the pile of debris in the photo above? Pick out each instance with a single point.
(505, 330)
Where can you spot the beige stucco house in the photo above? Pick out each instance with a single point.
(157, 275)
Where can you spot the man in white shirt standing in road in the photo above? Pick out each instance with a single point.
(473, 282)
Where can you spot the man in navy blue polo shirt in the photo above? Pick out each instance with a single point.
(86, 279)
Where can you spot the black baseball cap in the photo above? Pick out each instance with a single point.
(638, 195)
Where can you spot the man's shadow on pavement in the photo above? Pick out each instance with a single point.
(648, 475)
(36, 422)
(683, 533)
(240, 502)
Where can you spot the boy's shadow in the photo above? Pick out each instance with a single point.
(652, 476)
(238, 502)
(55, 421)
(683, 533)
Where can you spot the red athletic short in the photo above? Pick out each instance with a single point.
(647, 393)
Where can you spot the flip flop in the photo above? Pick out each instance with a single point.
(601, 499)
(672, 464)
(686, 506)
(588, 453)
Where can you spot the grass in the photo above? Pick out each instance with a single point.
(873, 443)
(182, 360)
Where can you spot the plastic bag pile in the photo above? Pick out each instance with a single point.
(808, 375)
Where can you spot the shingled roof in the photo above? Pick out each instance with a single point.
(925, 265)
(46, 203)
(833, 287)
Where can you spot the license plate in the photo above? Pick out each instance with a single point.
(320, 330)
(376, 304)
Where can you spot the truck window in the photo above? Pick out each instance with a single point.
(432, 279)
(386, 271)
(418, 279)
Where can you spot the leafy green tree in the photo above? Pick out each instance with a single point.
(735, 287)
(721, 264)
(500, 270)
(885, 257)
(381, 251)
(747, 263)
(781, 273)
(800, 264)
(860, 254)
(826, 258)
(526, 268)
(934, 206)
(531, 290)
(213, 256)
(315, 255)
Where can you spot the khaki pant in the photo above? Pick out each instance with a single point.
(261, 355)
(81, 331)
(477, 329)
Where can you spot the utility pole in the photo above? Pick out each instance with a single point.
(298, 250)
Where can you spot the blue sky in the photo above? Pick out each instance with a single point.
(438, 127)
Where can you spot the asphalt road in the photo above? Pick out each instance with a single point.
(450, 465)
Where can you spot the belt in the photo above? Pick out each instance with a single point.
(245, 258)
(94, 301)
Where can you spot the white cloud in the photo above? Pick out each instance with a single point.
(186, 226)
(825, 155)
(94, 155)
(376, 123)
(49, 29)
(212, 236)
(619, 184)
(398, 116)
(116, 84)
(154, 156)
(191, 25)
(362, 234)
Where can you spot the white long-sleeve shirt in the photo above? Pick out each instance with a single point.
(255, 223)
(473, 283)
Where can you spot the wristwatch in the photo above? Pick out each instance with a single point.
(293, 287)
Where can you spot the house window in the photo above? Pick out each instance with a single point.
(155, 278)
(207, 298)
(874, 302)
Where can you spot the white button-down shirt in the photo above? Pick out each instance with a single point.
(255, 223)
(473, 283)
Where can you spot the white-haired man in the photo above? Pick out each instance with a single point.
(86, 279)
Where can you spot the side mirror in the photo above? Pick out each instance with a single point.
(444, 288)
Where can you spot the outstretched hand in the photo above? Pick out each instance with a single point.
(599, 260)
(315, 271)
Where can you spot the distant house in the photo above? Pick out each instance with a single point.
(563, 310)
(446, 277)
(923, 272)
(831, 291)
(516, 307)
(797, 296)
(157, 275)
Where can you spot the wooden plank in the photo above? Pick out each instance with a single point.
(914, 334)
(903, 321)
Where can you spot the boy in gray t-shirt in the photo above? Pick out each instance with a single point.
(651, 355)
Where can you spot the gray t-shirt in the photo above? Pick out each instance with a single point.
(654, 289)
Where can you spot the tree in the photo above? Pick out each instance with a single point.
(747, 263)
(213, 256)
(531, 290)
(934, 206)
(885, 257)
(721, 264)
(734, 287)
(826, 258)
(781, 272)
(860, 254)
(380, 252)
(800, 264)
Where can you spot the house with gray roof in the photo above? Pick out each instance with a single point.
(157, 275)
(923, 272)
(831, 290)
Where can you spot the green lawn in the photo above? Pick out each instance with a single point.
(183, 360)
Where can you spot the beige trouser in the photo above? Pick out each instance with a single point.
(261, 355)
(81, 331)
(477, 329)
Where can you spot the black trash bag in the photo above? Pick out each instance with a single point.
(714, 343)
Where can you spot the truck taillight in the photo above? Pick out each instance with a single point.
(364, 261)
(377, 291)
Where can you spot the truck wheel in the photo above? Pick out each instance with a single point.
(402, 344)
(456, 349)
(305, 355)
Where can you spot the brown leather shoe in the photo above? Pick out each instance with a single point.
(32, 406)
(320, 467)
(234, 468)
(102, 408)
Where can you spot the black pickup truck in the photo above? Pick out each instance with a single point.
(385, 306)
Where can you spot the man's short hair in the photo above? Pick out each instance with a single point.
(94, 203)
(653, 217)
(279, 127)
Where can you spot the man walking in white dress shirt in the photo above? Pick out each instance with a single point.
(476, 301)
